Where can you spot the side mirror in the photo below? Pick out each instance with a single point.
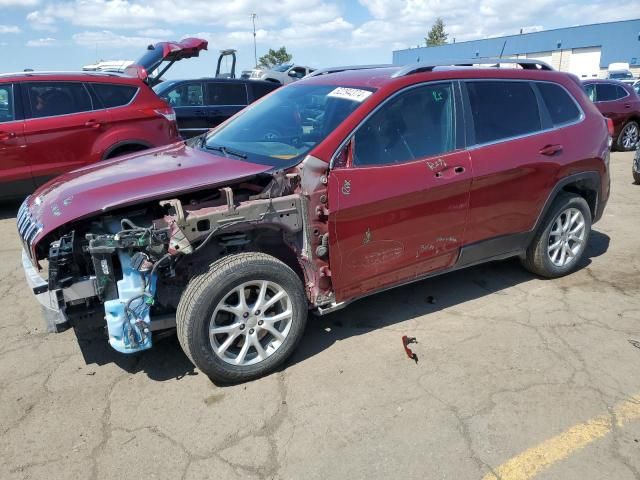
(293, 73)
(344, 157)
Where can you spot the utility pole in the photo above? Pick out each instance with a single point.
(255, 52)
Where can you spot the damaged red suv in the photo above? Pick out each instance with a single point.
(341, 185)
(51, 123)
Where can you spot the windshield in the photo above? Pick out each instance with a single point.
(620, 75)
(282, 68)
(287, 124)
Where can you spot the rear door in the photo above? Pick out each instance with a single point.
(516, 156)
(188, 101)
(62, 127)
(398, 209)
(15, 172)
(224, 99)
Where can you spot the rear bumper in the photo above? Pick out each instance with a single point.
(54, 316)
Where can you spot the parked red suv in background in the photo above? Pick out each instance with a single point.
(619, 102)
(54, 122)
(343, 184)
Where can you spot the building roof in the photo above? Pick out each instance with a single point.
(619, 42)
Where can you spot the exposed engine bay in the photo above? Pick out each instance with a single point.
(134, 264)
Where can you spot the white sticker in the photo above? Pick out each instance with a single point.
(353, 94)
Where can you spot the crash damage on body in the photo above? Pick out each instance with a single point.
(129, 267)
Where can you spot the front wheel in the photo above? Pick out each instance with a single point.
(629, 136)
(561, 240)
(242, 318)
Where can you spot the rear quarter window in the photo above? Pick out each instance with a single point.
(503, 109)
(607, 92)
(561, 106)
(114, 95)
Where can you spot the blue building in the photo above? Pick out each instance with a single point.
(586, 50)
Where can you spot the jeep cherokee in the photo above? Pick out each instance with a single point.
(341, 185)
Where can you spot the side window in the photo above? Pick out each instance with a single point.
(607, 92)
(185, 95)
(503, 110)
(559, 103)
(232, 93)
(48, 99)
(261, 89)
(621, 92)
(7, 113)
(114, 95)
(416, 124)
(590, 90)
(299, 72)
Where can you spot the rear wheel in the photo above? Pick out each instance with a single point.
(560, 242)
(242, 318)
(628, 137)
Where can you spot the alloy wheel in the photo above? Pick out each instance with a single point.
(251, 322)
(567, 237)
(630, 136)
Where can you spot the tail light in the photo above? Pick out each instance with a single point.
(610, 126)
(168, 113)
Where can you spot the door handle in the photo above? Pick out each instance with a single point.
(6, 136)
(550, 150)
(450, 172)
(627, 105)
(200, 112)
(92, 124)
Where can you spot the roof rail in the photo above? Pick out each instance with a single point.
(62, 72)
(525, 63)
(327, 71)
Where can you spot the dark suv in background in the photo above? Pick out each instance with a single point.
(205, 103)
(54, 122)
(619, 102)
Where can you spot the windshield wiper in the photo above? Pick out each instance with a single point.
(226, 151)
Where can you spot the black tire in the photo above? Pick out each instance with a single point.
(635, 169)
(537, 259)
(620, 140)
(636, 177)
(205, 291)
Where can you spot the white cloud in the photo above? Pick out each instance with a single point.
(42, 42)
(9, 29)
(157, 32)
(40, 21)
(19, 3)
(108, 39)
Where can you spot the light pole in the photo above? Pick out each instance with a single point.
(255, 53)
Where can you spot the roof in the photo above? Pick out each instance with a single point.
(378, 77)
(44, 75)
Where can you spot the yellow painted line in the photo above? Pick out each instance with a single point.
(529, 463)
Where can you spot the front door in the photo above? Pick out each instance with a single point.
(187, 100)
(398, 208)
(15, 172)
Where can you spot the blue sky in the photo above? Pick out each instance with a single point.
(67, 34)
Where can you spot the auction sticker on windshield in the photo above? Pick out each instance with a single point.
(353, 94)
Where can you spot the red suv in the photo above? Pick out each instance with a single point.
(338, 186)
(51, 123)
(619, 102)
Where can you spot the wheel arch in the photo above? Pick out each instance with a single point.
(584, 184)
(125, 146)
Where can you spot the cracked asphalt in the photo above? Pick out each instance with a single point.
(507, 361)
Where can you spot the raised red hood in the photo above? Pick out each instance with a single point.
(154, 174)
